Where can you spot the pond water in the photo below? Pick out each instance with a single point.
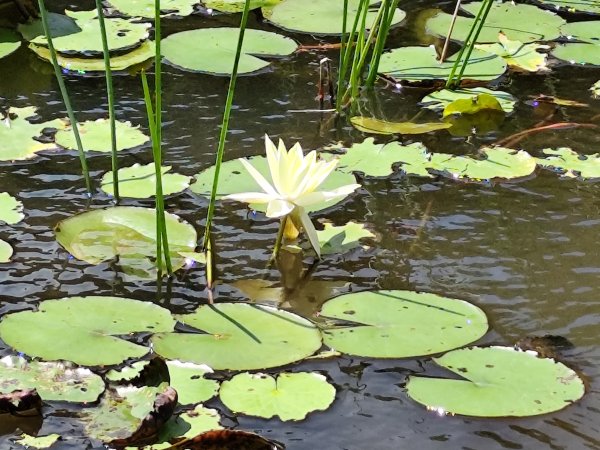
(527, 253)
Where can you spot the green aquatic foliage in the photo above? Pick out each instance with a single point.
(84, 330)
(517, 54)
(587, 48)
(378, 126)
(11, 209)
(400, 324)
(126, 373)
(9, 42)
(438, 100)
(95, 136)
(6, 251)
(418, 64)
(343, 238)
(595, 89)
(39, 442)
(139, 181)
(290, 396)
(571, 164)
(212, 50)
(240, 336)
(520, 22)
(58, 24)
(580, 6)
(497, 382)
(320, 16)
(145, 8)
(189, 382)
(236, 6)
(473, 105)
(53, 381)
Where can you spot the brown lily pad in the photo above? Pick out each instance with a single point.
(227, 440)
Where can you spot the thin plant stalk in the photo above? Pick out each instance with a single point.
(342, 48)
(360, 43)
(347, 53)
(380, 43)
(450, 30)
(65, 96)
(279, 239)
(111, 101)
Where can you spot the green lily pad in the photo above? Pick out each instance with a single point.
(520, 22)
(518, 55)
(189, 382)
(127, 232)
(18, 134)
(39, 442)
(59, 25)
(9, 42)
(401, 324)
(212, 50)
(82, 65)
(438, 100)
(578, 53)
(234, 178)
(582, 31)
(126, 373)
(571, 164)
(417, 64)
(122, 35)
(472, 105)
(11, 209)
(479, 123)
(84, 329)
(145, 8)
(53, 381)
(139, 181)
(595, 89)
(235, 6)
(95, 136)
(239, 336)
(498, 382)
(6, 251)
(342, 239)
(583, 6)
(291, 396)
(320, 16)
(377, 126)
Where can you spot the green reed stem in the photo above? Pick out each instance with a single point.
(111, 101)
(225, 125)
(345, 58)
(65, 96)
(382, 35)
(342, 69)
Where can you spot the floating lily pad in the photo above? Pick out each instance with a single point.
(95, 136)
(472, 105)
(239, 336)
(189, 382)
(6, 251)
(498, 382)
(9, 42)
(518, 55)
(53, 381)
(377, 126)
(11, 209)
(291, 396)
(583, 6)
(235, 6)
(320, 16)
(58, 24)
(578, 53)
(582, 31)
(571, 164)
(84, 329)
(234, 178)
(595, 89)
(18, 134)
(438, 100)
(145, 8)
(342, 239)
(127, 232)
(401, 324)
(139, 181)
(480, 123)
(520, 22)
(39, 442)
(126, 373)
(498, 163)
(417, 64)
(212, 50)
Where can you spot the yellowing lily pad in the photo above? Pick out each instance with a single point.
(518, 55)
(9, 42)
(39, 442)
(472, 105)
(11, 209)
(95, 136)
(377, 126)
(342, 239)
(571, 164)
(595, 89)
(139, 181)
(145, 8)
(438, 100)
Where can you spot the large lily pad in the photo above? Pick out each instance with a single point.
(139, 181)
(52, 381)
(189, 382)
(378, 126)
(84, 330)
(438, 100)
(212, 50)
(6, 251)
(18, 134)
(520, 22)
(291, 396)
(400, 324)
(145, 8)
(571, 164)
(417, 64)
(235, 6)
(95, 136)
(239, 336)
(320, 16)
(234, 178)
(11, 209)
(342, 239)
(9, 42)
(578, 53)
(498, 382)
(584, 6)
(127, 232)
(473, 105)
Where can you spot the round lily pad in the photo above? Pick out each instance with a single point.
(6, 251)
(52, 381)
(235, 6)
(415, 64)
(400, 324)
(586, 31)
(84, 329)
(571, 164)
(578, 53)
(11, 209)
(145, 8)
(9, 42)
(581, 6)
(438, 100)
(472, 105)
(189, 382)
(320, 16)
(498, 382)
(139, 181)
(212, 50)
(95, 136)
(378, 126)
(240, 336)
(291, 396)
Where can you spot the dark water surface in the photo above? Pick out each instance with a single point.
(527, 253)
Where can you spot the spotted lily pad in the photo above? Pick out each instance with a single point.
(320, 16)
(498, 382)
(518, 55)
(9, 42)
(520, 22)
(291, 396)
(581, 6)
(212, 50)
(11, 209)
(571, 164)
(95, 136)
(39, 442)
(52, 381)
(417, 64)
(472, 105)
(400, 324)
(342, 239)
(84, 329)
(377, 126)
(139, 181)
(145, 8)
(438, 100)
(6, 251)
(189, 382)
(595, 89)
(240, 336)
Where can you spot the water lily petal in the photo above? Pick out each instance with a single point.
(314, 197)
(279, 208)
(262, 182)
(321, 171)
(250, 197)
(273, 160)
(302, 176)
(309, 228)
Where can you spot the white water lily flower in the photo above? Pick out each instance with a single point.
(296, 178)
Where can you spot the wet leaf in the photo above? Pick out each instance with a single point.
(235, 6)
(518, 55)
(59, 25)
(239, 336)
(584, 6)
(189, 382)
(9, 42)
(139, 181)
(586, 31)
(578, 53)
(84, 330)
(290, 397)
(6, 251)
(95, 136)
(497, 382)
(595, 89)
(229, 440)
(571, 164)
(212, 50)
(479, 123)
(472, 105)
(145, 8)
(11, 209)
(342, 239)
(320, 16)
(438, 100)
(400, 324)
(377, 126)
(39, 442)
